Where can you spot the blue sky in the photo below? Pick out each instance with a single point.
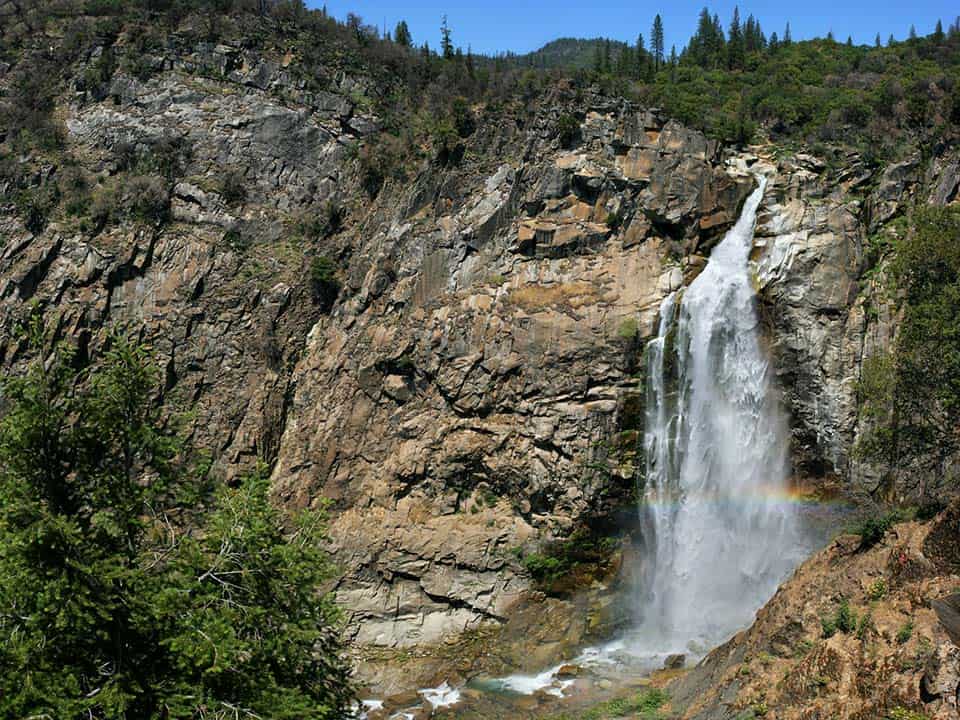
(492, 25)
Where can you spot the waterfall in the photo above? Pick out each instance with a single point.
(721, 531)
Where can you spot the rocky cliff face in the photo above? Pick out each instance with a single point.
(885, 654)
(477, 388)
(480, 391)
(822, 299)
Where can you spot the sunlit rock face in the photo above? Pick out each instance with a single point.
(476, 389)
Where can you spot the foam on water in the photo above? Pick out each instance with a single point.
(441, 696)
(720, 527)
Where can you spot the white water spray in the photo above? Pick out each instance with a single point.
(716, 512)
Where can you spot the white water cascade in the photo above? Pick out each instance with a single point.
(720, 529)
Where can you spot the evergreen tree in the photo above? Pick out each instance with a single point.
(876, 42)
(938, 32)
(656, 42)
(471, 71)
(913, 33)
(774, 41)
(673, 63)
(597, 59)
(718, 43)
(849, 41)
(787, 37)
(735, 44)
(749, 34)
(110, 607)
(706, 47)
(830, 36)
(640, 58)
(607, 59)
(446, 45)
(625, 62)
(401, 35)
(890, 40)
(700, 45)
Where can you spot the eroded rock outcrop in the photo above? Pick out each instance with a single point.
(886, 654)
(823, 300)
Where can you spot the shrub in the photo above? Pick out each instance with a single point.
(147, 198)
(463, 121)
(140, 197)
(901, 713)
(324, 282)
(34, 206)
(568, 129)
(235, 240)
(905, 632)
(556, 567)
(912, 397)
(873, 527)
(628, 329)
(828, 626)
(233, 187)
(380, 160)
(614, 220)
(27, 110)
(877, 589)
(844, 620)
(320, 223)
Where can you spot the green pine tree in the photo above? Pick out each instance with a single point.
(446, 45)
(735, 42)
(656, 42)
(119, 598)
(401, 35)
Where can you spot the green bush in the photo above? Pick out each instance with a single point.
(844, 620)
(35, 206)
(463, 121)
(323, 282)
(614, 220)
(901, 713)
(568, 129)
(628, 329)
(26, 111)
(828, 626)
(233, 187)
(912, 396)
(905, 632)
(560, 561)
(873, 527)
(143, 198)
(320, 223)
(644, 705)
(380, 160)
(877, 589)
